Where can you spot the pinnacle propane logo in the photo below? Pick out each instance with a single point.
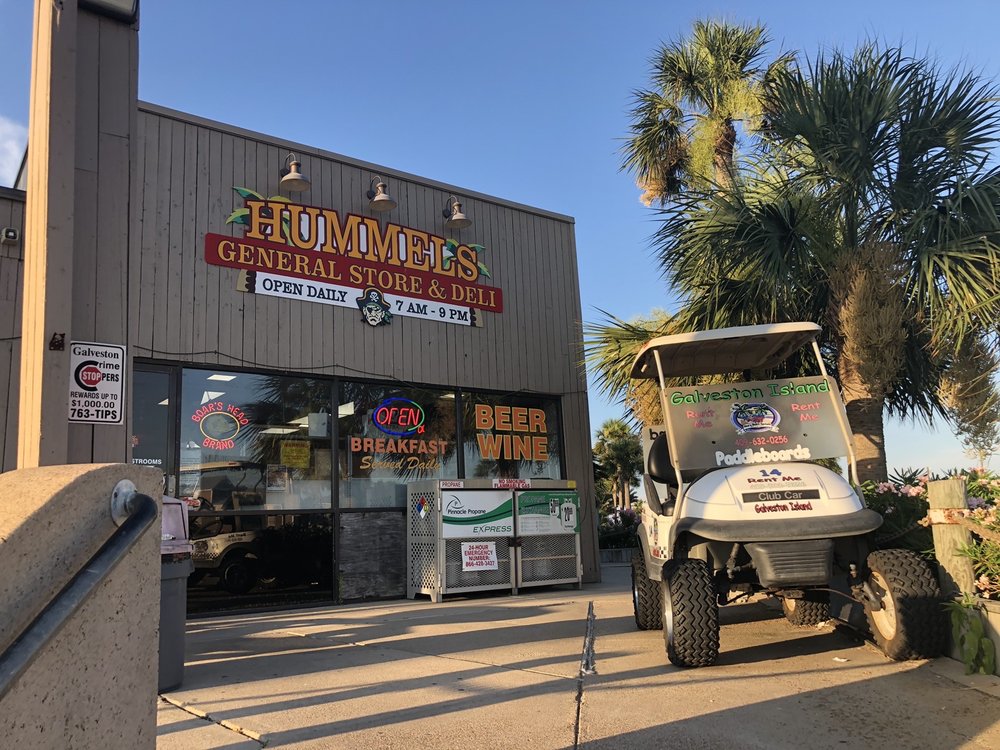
(478, 514)
(456, 508)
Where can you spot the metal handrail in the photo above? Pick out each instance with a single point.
(141, 512)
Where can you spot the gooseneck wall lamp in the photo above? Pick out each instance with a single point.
(453, 215)
(292, 178)
(379, 199)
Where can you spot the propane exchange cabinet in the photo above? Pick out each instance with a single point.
(467, 535)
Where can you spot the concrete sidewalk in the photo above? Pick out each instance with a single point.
(505, 672)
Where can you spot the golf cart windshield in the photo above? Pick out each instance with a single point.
(763, 421)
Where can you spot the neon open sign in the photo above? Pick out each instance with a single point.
(399, 416)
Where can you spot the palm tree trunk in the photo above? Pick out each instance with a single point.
(725, 147)
(865, 414)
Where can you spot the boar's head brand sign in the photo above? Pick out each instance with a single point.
(319, 255)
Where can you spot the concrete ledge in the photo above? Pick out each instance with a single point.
(95, 685)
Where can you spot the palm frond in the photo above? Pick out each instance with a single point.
(610, 347)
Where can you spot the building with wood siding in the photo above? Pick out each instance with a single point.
(259, 374)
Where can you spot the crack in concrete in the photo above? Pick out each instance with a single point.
(587, 667)
(224, 723)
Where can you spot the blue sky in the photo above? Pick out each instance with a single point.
(523, 100)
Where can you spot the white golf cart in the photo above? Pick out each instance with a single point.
(734, 504)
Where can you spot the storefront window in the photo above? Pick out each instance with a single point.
(255, 442)
(151, 419)
(389, 436)
(510, 437)
(260, 560)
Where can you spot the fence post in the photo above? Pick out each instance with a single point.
(954, 572)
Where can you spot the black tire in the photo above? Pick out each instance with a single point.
(646, 604)
(812, 610)
(690, 614)
(238, 574)
(912, 623)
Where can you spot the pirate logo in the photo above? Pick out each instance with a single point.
(374, 308)
(756, 417)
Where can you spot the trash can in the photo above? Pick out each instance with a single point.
(175, 567)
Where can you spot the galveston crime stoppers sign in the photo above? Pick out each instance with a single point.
(96, 380)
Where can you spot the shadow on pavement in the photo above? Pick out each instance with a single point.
(896, 711)
(244, 651)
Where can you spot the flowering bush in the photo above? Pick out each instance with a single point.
(985, 551)
(618, 529)
(982, 486)
(902, 502)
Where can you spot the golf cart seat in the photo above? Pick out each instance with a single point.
(659, 468)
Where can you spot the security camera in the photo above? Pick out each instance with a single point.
(9, 236)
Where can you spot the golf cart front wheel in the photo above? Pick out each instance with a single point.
(690, 614)
(910, 622)
(646, 605)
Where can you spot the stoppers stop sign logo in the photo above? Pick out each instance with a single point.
(88, 375)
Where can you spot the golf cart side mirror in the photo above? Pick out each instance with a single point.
(662, 506)
(652, 498)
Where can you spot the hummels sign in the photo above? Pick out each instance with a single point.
(319, 255)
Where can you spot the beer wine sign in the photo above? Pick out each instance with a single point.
(318, 255)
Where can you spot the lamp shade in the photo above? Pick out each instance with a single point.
(380, 199)
(295, 181)
(457, 220)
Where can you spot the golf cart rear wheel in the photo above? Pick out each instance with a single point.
(690, 614)
(911, 622)
(808, 611)
(646, 603)
(238, 574)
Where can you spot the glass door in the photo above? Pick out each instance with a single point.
(154, 420)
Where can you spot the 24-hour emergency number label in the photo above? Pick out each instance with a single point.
(96, 383)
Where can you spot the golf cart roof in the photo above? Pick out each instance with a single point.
(723, 350)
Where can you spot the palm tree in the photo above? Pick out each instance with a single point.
(684, 130)
(619, 454)
(610, 348)
(971, 398)
(869, 211)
